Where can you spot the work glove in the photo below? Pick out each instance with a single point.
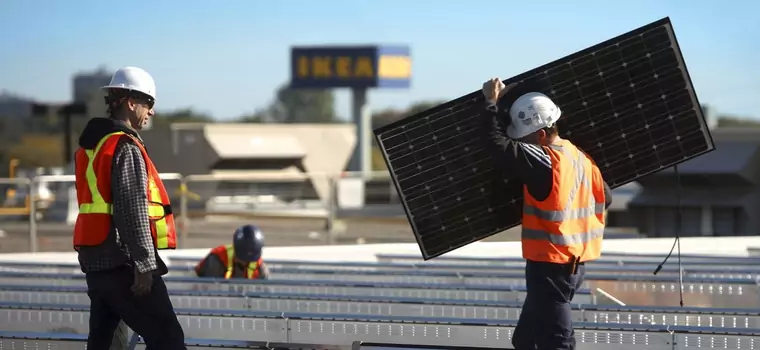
(142, 283)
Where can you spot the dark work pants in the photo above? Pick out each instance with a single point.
(546, 320)
(151, 316)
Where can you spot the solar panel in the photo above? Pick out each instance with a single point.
(628, 102)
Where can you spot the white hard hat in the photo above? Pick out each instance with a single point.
(531, 112)
(135, 79)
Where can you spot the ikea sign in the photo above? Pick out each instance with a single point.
(350, 66)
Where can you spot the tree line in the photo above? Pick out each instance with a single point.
(38, 142)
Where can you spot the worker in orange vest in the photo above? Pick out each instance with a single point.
(125, 217)
(241, 259)
(563, 209)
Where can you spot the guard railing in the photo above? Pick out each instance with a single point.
(293, 194)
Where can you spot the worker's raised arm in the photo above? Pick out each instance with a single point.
(130, 205)
(528, 162)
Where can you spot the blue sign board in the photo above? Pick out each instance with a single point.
(325, 67)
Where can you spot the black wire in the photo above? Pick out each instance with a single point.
(677, 241)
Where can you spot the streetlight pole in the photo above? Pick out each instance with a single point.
(66, 112)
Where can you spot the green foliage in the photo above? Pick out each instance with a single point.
(184, 115)
(260, 116)
(729, 121)
(303, 106)
(420, 107)
(37, 150)
(388, 116)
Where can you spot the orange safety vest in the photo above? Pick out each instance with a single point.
(226, 253)
(93, 183)
(570, 222)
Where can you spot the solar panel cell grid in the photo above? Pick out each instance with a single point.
(627, 102)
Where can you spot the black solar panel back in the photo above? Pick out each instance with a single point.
(628, 102)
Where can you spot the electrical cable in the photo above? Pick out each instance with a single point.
(677, 241)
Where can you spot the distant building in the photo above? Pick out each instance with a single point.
(14, 107)
(249, 164)
(87, 84)
(14, 116)
(720, 191)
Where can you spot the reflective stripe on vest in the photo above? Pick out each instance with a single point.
(253, 266)
(591, 209)
(159, 213)
(98, 205)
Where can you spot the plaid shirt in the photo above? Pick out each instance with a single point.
(130, 241)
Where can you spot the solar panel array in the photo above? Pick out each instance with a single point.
(628, 102)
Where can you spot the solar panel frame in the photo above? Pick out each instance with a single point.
(476, 98)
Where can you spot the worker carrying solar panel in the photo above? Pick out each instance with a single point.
(241, 259)
(563, 212)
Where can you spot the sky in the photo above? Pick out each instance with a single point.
(226, 57)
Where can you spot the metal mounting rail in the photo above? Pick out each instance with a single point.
(481, 278)
(607, 258)
(73, 341)
(420, 290)
(402, 307)
(289, 269)
(343, 330)
(709, 291)
(694, 270)
(428, 276)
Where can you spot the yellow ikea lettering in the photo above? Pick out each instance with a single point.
(363, 68)
(303, 67)
(342, 67)
(321, 67)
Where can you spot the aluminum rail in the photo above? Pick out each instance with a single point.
(362, 345)
(380, 274)
(344, 329)
(186, 268)
(723, 290)
(641, 289)
(73, 341)
(440, 291)
(608, 258)
(698, 270)
(403, 307)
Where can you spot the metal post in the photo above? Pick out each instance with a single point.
(32, 216)
(332, 207)
(183, 210)
(67, 151)
(361, 161)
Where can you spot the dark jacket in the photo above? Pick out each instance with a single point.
(130, 241)
(530, 163)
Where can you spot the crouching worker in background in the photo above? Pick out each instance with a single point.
(241, 259)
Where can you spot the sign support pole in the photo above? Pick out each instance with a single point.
(362, 117)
